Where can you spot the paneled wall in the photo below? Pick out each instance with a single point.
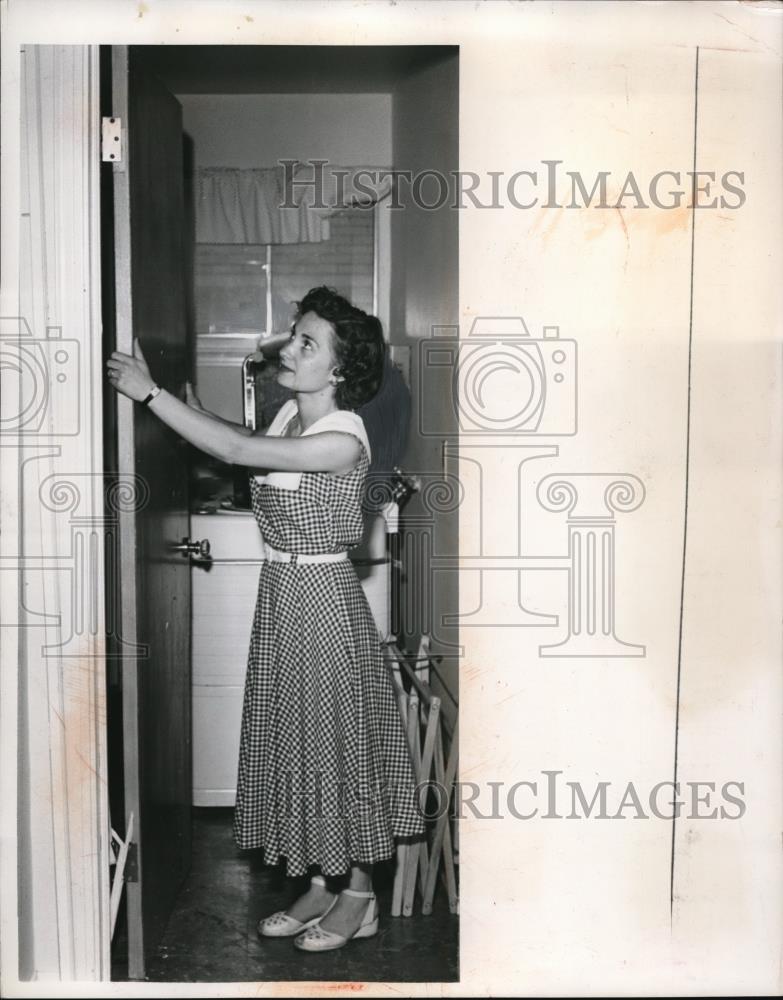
(55, 349)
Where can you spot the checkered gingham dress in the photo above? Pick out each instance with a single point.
(324, 772)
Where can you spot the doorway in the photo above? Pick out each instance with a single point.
(240, 108)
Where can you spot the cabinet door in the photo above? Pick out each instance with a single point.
(223, 605)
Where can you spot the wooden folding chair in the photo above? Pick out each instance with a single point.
(420, 710)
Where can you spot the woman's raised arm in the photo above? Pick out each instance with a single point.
(330, 451)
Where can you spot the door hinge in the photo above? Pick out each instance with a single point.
(111, 140)
(132, 863)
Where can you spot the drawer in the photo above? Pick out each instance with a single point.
(231, 536)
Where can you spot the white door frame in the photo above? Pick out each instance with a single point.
(52, 522)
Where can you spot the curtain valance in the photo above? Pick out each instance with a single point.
(289, 203)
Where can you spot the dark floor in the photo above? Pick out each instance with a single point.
(211, 936)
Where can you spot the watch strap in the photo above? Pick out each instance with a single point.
(154, 391)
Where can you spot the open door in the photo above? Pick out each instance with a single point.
(154, 576)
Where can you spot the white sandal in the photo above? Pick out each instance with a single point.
(316, 938)
(282, 924)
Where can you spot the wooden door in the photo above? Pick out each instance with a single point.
(149, 237)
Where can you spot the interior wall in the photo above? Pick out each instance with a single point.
(62, 818)
(257, 130)
(424, 295)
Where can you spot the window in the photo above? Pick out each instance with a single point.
(237, 286)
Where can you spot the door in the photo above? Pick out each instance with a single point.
(150, 283)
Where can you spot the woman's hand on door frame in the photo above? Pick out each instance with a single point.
(130, 375)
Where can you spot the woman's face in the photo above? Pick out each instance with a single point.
(308, 359)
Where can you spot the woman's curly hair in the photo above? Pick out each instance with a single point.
(359, 345)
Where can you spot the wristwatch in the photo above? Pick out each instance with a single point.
(154, 391)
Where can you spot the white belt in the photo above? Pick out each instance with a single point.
(275, 555)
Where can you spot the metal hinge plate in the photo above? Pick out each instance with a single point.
(111, 140)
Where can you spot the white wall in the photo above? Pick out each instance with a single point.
(59, 552)
(582, 905)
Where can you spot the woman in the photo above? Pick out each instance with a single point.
(324, 774)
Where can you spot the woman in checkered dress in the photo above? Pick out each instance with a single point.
(324, 774)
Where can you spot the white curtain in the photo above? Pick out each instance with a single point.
(278, 205)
